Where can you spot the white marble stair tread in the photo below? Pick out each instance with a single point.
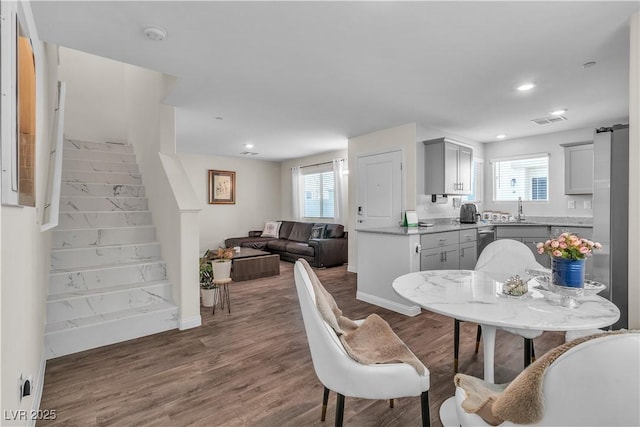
(104, 236)
(103, 204)
(94, 155)
(88, 219)
(98, 166)
(103, 267)
(106, 276)
(101, 177)
(84, 322)
(69, 189)
(103, 255)
(106, 290)
(116, 147)
(95, 303)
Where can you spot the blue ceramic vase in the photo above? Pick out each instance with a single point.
(568, 272)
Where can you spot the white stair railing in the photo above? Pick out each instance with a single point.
(54, 180)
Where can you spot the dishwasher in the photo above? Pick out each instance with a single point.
(486, 235)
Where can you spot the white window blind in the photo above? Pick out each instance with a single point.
(319, 195)
(526, 177)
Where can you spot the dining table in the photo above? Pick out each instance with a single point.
(478, 297)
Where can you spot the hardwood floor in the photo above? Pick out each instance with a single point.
(253, 368)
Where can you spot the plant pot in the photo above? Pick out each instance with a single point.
(209, 297)
(568, 272)
(221, 269)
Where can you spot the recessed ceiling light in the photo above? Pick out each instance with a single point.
(526, 86)
(501, 136)
(248, 145)
(558, 112)
(155, 33)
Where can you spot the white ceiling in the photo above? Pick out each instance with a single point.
(299, 78)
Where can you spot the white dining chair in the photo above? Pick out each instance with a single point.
(337, 371)
(595, 383)
(503, 259)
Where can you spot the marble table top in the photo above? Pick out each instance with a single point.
(477, 297)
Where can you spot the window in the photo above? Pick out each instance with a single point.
(477, 187)
(526, 177)
(319, 195)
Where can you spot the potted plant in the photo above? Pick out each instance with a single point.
(221, 263)
(568, 254)
(207, 288)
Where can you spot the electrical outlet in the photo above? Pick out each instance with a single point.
(571, 204)
(587, 204)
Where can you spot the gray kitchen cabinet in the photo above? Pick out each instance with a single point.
(449, 250)
(447, 167)
(530, 235)
(578, 168)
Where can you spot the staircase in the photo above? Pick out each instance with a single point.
(107, 282)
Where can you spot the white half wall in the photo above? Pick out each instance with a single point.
(257, 196)
(24, 254)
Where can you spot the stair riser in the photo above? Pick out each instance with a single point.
(101, 278)
(91, 166)
(73, 308)
(76, 340)
(102, 178)
(103, 204)
(71, 144)
(64, 259)
(98, 156)
(103, 219)
(70, 189)
(100, 237)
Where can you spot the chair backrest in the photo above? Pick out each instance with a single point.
(336, 370)
(507, 257)
(596, 383)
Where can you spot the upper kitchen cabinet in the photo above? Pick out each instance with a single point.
(447, 167)
(578, 168)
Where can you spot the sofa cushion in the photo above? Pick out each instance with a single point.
(300, 248)
(317, 232)
(301, 232)
(334, 231)
(271, 229)
(279, 245)
(285, 229)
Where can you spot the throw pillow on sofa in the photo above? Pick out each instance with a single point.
(271, 229)
(317, 232)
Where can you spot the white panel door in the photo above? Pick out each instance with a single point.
(379, 190)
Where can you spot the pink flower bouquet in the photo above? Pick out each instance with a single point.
(568, 246)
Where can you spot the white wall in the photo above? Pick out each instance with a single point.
(398, 138)
(286, 209)
(548, 143)
(257, 196)
(24, 252)
(98, 86)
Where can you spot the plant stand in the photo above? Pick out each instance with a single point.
(223, 294)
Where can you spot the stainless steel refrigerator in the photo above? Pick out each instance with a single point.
(611, 215)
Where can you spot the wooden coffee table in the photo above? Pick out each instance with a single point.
(253, 264)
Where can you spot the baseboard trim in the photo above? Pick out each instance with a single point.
(191, 322)
(407, 310)
(39, 387)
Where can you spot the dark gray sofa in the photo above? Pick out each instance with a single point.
(327, 248)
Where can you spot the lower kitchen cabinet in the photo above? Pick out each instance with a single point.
(450, 250)
(468, 255)
(443, 258)
(530, 235)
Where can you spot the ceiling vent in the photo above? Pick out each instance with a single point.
(549, 119)
(248, 153)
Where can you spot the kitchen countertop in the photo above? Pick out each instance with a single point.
(440, 226)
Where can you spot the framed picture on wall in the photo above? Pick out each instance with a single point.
(222, 187)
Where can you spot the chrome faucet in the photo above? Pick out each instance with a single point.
(520, 216)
